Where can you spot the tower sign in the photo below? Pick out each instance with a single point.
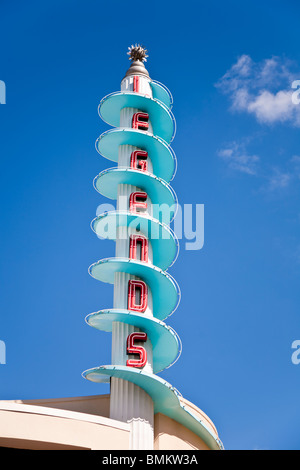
(145, 294)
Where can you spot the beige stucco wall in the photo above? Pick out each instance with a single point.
(199, 414)
(83, 423)
(41, 427)
(94, 404)
(170, 435)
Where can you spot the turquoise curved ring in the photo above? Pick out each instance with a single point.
(161, 118)
(165, 290)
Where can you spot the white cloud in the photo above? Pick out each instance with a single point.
(273, 178)
(237, 158)
(277, 180)
(262, 89)
(269, 107)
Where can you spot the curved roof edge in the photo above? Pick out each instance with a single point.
(166, 398)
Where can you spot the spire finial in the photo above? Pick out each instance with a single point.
(137, 55)
(137, 52)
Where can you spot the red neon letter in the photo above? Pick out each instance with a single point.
(142, 240)
(132, 349)
(136, 83)
(140, 121)
(138, 160)
(135, 204)
(134, 304)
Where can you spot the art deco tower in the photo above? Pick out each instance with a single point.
(145, 294)
(142, 411)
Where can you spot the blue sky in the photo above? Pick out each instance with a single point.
(229, 66)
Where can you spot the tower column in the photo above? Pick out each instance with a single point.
(128, 402)
(145, 294)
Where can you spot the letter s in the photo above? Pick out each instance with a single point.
(132, 349)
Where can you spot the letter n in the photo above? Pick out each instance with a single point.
(140, 239)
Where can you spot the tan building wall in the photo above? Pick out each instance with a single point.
(83, 423)
(170, 435)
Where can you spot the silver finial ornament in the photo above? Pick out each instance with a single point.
(137, 55)
(137, 52)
